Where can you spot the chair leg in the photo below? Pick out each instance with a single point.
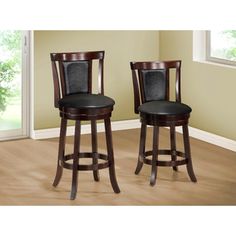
(173, 145)
(188, 154)
(110, 154)
(75, 160)
(141, 148)
(94, 148)
(61, 151)
(154, 155)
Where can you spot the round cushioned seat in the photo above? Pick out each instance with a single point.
(165, 108)
(86, 101)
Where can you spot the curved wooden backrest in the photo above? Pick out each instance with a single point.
(151, 81)
(72, 73)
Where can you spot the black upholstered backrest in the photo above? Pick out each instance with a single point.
(151, 81)
(72, 73)
(76, 76)
(154, 84)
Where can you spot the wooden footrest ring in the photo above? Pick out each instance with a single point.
(85, 167)
(166, 163)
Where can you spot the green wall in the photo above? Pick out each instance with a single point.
(120, 47)
(208, 88)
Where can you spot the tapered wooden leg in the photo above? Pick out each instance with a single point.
(110, 154)
(75, 160)
(61, 151)
(141, 148)
(154, 155)
(188, 153)
(94, 148)
(173, 145)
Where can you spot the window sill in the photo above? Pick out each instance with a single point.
(215, 64)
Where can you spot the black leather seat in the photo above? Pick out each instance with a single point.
(88, 101)
(152, 101)
(166, 108)
(72, 77)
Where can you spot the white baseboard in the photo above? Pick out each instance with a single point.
(211, 138)
(133, 124)
(85, 129)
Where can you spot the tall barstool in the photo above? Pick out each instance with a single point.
(152, 102)
(72, 78)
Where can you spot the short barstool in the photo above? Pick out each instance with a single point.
(152, 102)
(72, 77)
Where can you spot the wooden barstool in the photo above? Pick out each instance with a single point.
(72, 77)
(152, 102)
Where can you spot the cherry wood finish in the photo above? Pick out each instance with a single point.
(157, 120)
(89, 113)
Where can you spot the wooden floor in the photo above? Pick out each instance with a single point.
(27, 169)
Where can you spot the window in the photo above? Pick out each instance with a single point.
(221, 46)
(14, 84)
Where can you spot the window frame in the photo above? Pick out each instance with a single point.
(24, 131)
(212, 58)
